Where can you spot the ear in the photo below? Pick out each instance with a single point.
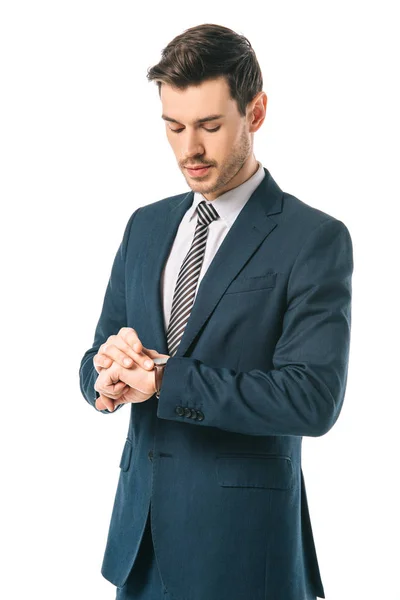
(258, 109)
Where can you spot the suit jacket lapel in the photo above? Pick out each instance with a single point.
(248, 231)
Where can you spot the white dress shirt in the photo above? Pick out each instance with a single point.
(228, 206)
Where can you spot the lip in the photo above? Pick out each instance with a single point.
(197, 166)
(199, 170)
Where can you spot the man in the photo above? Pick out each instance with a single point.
(245, 291)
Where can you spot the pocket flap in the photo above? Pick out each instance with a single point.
(256, 282)
(126, 456)
(264, 471)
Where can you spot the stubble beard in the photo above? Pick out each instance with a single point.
(232, 166)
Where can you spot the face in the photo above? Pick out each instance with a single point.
(205, 129)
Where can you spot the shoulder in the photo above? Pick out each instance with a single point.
(146, 216)
(301, 220)
(295, 209)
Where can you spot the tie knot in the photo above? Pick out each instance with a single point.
(206, 213)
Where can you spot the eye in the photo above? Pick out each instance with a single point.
(209, 130)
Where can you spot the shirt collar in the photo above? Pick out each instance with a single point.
(229, 204)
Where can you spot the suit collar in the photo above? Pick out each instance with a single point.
(229, 204)
(251, 227)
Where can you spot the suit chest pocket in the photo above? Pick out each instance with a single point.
(249, 284)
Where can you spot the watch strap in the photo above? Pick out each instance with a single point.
(159, 369)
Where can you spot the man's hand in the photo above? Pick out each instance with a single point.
(110, 388)
(140, 380)
(125, 346)
(119, 385)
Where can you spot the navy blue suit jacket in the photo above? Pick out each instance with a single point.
(263, 362)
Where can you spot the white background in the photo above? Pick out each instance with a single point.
(82, 146)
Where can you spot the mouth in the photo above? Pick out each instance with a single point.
(198, 171)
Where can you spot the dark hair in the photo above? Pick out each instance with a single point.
(209, 51)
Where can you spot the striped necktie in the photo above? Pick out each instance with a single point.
(186, 284)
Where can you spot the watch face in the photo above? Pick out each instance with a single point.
(160, 360)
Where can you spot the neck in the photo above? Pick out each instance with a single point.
(248, 169)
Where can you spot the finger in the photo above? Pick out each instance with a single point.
(118, 352)
(130, 336)
(140, 349)
(108, 403)
(113, 390)
(127, 346)
(101, 361)
(120, 388)
(151, 353)
(119, 401)
(99, 404)
(155, 354)
(115, 385)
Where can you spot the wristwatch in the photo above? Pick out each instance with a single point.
(159, 366)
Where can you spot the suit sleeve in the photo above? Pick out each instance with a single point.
(112, 318)
(303, 394)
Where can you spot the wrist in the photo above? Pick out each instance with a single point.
(159, 367)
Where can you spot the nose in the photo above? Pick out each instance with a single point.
(193, 147)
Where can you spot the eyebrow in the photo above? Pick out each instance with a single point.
(202, 120)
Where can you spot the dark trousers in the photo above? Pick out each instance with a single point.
(144, 581)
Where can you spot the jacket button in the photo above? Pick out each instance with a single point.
(193, 413)
(179, 410)
(200, 415)
(188, 412)
(150, 455)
